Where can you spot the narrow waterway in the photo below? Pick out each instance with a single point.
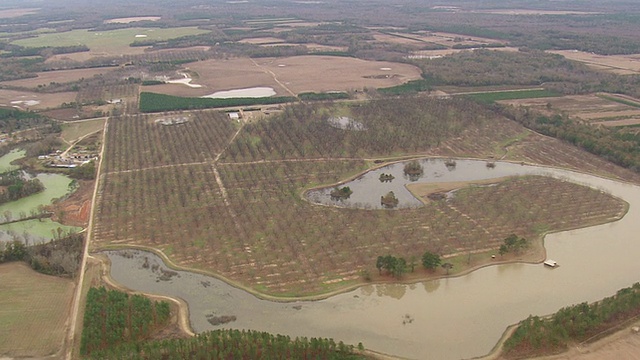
(450, 318)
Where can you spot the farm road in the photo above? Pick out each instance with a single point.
(275, 78)
(73, 324)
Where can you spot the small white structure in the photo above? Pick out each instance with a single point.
(550, 263)
(234, 116)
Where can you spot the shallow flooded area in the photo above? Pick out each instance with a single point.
(450, 318)
(254, 92)
(369, 187)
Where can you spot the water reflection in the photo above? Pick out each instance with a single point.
(451, 318)
(368, 188)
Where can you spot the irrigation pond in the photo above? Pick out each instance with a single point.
(56, 186)
(450, 318)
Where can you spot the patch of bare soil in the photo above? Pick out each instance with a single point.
(623, 345)
(261, 40)
(75, 209)
(616, 123)
(586, 107)
(425, 191)
(128, 20)
(12, 13)
(532, 12)
(298, 73)
(218, 75)
(332, 73)
(27, 100)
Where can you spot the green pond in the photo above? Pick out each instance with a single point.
(5, 161)
(34, 230)
(56, 186)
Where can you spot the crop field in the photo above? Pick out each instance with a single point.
(218, 74)
(113, 42)
(438, 38)
(618, 64)
(60, 76)
(330, 73)
(311, 46)
(34, 101)
(296, 74)
(597, 109)
(233, 205)
(11, 13)
(492, 96)
(260, 40)
(33, 311)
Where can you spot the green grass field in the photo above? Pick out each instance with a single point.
(490, 97)
(106, 41)
(75, 130)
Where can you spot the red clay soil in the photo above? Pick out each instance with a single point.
(75, 209)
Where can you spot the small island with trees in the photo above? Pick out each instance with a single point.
(341, 193)
(413, 170)
(389, 201)
(386, 177)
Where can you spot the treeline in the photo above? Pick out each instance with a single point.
(13, 120)
(234, 344)
(16, 187)
(84, 172)
(152, 102)
(61, 256)
(396, 266)
(490, 67)
(526, 67)
(112, 317)
(621, 148)
(312, 96)
(536, 336)
(45, 51)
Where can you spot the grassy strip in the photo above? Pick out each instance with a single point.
(490, 97)
(410, 87)
(536, 336)
(235, 344)
(312, 96)
(619, 100)
(152, 102)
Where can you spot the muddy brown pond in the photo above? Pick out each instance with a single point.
(452, 318)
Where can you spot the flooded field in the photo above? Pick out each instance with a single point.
(450, 318)
(368, 188)
(255, 92)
